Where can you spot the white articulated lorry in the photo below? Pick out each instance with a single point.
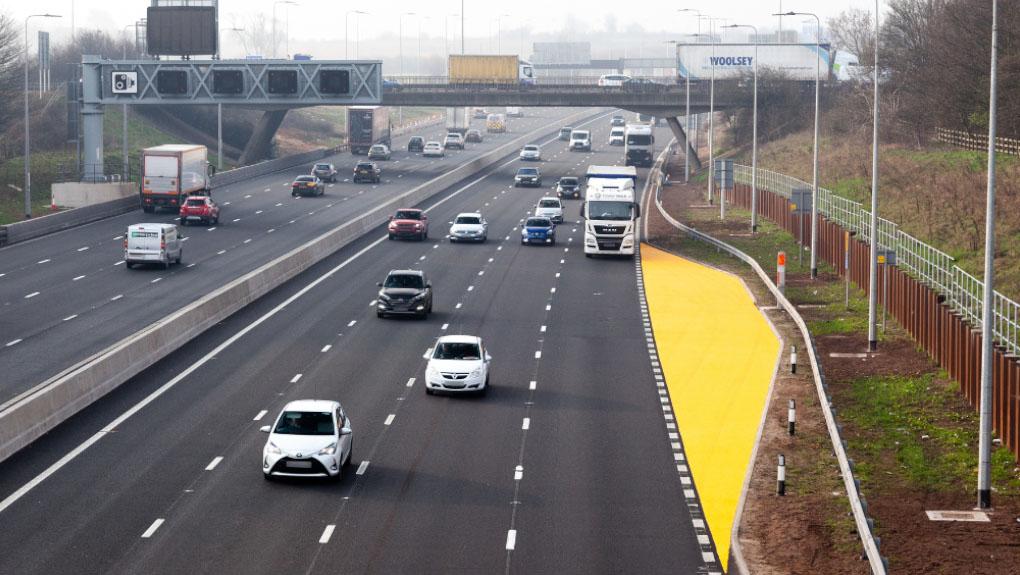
(797, 61)
(610, 211)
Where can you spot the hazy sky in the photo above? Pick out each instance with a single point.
(315, 21)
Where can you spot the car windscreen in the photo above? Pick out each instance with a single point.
(407, 215)
(549, 204)
(609, 210)
(538, 223)
(457, 350)
(321, 166)
(416, 140)
(412, 281)
(528, 171)
(568, 181)
(639, 140)
(377, 149)
(579, 135)
(363, 167)
(305, 179)
(468, 220)
(530, 148)
(196, 202)
(305, 423)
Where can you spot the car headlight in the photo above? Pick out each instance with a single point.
(431, 372)
(328, 450)
(477, 372)
(383, 297)
(524, 231)
(272, 449)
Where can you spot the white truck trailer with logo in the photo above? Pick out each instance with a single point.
(610, 211)
(797, 61)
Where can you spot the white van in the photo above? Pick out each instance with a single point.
(153, 244)
(580, 140)
(617, 136)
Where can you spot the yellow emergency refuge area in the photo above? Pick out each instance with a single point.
(718, 355)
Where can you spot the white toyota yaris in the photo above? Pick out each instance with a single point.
(311, 438)
(458, 363)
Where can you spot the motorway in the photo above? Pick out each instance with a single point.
(565, 466)
(66, 296)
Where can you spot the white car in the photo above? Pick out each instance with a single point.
(580, 140)
(531, 152)
(613, 80)
(469, 227)
(454, 140)
(433, 150)
(550, 207)
(310, 438)
(458, 363)
(153, 244)
(617, 136)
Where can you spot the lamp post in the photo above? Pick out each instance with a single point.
(754, 132)
(687, 113)
(873, 264)
(987, 333)
(814, 178)
(28, 152)
(446, 31)
(400, 33)
(711, 123)
(347, 34)
(124, 114)
(462, 26)
(417, 65)
(285, 2)
(499, 32)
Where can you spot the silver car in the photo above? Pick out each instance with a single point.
(531, 153)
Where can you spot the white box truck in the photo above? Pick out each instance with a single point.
(172, 172)
(610, 211)
(798, 61)
(457, 120)
(639, 145)
(366, 127)
(153, 244)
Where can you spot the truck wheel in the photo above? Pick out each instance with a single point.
(166, 264)
(148, 209)
(180, 255)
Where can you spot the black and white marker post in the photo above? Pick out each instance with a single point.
(793, 359)
(781, 476)
(791, 416)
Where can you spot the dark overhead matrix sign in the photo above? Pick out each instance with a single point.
(182, 30)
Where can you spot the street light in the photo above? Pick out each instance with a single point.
(814, 178)
(687, 113)
(754, 132)
(711, 123)
(124, 115)
(987, 334)
(400, 33)
(873, 255)
(28, 152)
(446, 31)
(499, 32)
(219, 46)
(347, 35)
(288, 3)
(462, 26)
(417, 65)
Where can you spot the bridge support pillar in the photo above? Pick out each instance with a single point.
(681, 137)
(92, 120)
(261, 141)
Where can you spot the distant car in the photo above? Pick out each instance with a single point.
(392, 84)
(433, 150)
(531, 152)
(469, 227)
(416, 144)
(310, 438)
(379, 152)
(618, 120)
(409, 223)
(565, 133)
(613, 80)
(550, 207)
(640, 82)
(528, 177)
(580, 141)
(367, 172)
(473, 136)
(325, 172)
(568, 186)
(307, 186)
(457, 363)
(617, 136)
(538, 230)
(480, 114)
(199, 209)
(404, 292)
(454, 140)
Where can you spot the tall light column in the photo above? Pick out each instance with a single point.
(124, 114)
(347, 34)
(754, 132)
(499, 32)
(873, 264)
(400, 33)
(28, 149)
(687, 112)
(987, 333)
(275, 41)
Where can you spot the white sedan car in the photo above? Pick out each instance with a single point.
(613, 80)
(433, 150)
(311, 438)
(458, 363)
(469, 227)
(531, 152)
(550, 207)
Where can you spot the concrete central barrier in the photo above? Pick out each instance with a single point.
(34, 412)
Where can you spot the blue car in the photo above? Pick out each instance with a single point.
(538, 230)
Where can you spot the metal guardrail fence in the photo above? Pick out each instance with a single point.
(928, 264)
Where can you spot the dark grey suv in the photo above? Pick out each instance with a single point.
(405, 292)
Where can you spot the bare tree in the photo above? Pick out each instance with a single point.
(10, 69)
(854, 31)
(257, 35)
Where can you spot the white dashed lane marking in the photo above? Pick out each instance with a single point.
(259, 415)
(212, 464)
(295, 378)
(152, 528)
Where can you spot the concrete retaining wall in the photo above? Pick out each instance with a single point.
(46, 405)
(82, 194)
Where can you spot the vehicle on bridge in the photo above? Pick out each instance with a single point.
(613, 80)
(366, 127)
(433, 150)
(470, 227)
(639, 148)
(495, 123)
(307, 186)
(199, 209)
(153, 244)
(409, 223)
(405, 292)
(379, 152)
(310, 438)
(580, 141)
(528, 177)
(325, 172)
(171, 173)
(609, 211)
(457, 363)
(367, 172)
(489, 69)
(538, 230)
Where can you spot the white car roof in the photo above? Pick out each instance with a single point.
(150, 226)
(432, 143)
(459, 339)
(311, 405)
(469, 214)
(544, 198)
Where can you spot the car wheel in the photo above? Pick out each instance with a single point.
(180, 255)
(379, 314)
(587, 255)
(166, 264)
(389, 237)
(216, 220)
(267, 476)
(129, 265)
(293, 194)
(552, 242)
(183, 220)
(421, 237)
(429, 391)
(350, 455)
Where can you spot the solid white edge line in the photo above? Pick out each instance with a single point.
(212, 464)
(152, 528)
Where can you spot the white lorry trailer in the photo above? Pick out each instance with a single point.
(797, 61)
(610, 211)
(457, 120)
(172, 172)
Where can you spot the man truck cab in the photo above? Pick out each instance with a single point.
(610, 211)
(639, 147)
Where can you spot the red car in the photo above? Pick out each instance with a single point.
(200, 209)
(409, 223)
